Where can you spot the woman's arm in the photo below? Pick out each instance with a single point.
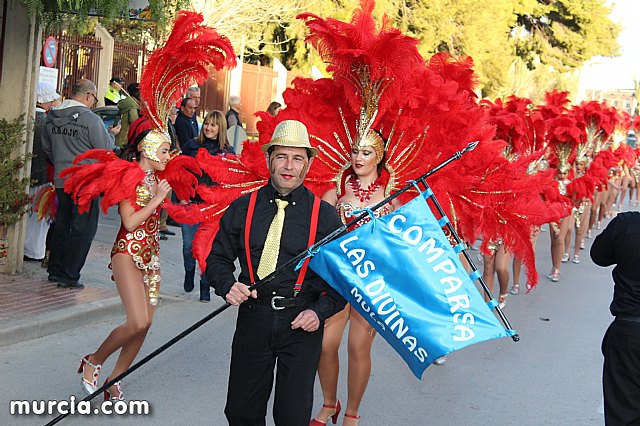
(331, 197)
(131, 218)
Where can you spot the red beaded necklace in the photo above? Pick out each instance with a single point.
(363, 194)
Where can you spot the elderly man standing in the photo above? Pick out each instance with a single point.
(281, 322)
(233, 115)
(194, 93)
(70, 130)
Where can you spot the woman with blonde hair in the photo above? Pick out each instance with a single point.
(213, 138)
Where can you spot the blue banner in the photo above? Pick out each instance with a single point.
(403, 276)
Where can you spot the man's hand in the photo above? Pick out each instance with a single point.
(115, 129)
(239, 293)
(307, 320)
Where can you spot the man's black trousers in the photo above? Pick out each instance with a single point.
(621, 373)
(263, 341)
(71, 239)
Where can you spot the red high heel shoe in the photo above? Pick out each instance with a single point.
(118, 397)
(333, 417)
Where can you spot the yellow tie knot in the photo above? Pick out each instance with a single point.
(281, 204)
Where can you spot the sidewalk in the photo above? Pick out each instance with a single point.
(32, 307)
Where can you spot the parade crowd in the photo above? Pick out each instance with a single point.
(338, 146)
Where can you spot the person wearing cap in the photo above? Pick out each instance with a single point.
(281, 321)
(36, 232)
(114, 94)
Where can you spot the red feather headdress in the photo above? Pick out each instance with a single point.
(185, 58)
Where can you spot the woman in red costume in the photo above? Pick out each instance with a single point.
(135, 261)
(140, 187)
(559, 231)
(363, 189)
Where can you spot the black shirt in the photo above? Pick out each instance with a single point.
(229, 246)
(619, 244)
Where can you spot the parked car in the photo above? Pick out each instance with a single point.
(108, 115)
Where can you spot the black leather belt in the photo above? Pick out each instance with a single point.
(628, 318)
(280, 302)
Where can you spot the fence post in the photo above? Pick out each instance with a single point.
(106, 62)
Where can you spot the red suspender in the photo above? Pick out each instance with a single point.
(315, 213)
(247, 232)
(312, 238)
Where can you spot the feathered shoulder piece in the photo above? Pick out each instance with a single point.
(185, 58)
(556, 103)
(181, 172)
(109, 176)
(565, 132)
(515, 124)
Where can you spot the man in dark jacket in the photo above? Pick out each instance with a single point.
(280, 323)
(619, 244)
(70, 130)
(186, 125)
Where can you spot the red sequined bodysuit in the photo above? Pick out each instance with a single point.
(143, 243)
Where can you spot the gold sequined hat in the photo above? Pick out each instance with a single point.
(374, 141)
(290, 133)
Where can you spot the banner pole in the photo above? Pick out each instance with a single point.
(486, 289)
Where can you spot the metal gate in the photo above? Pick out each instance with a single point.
(126, 60)
(78, 57)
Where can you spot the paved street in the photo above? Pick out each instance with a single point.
(550, 377)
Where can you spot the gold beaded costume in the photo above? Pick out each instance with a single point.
(143, 243)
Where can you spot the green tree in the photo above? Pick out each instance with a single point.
(522, 46)
(59, 13)
(565, 34)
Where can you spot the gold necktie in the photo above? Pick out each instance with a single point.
(269, 257)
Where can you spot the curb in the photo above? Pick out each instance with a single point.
(65, 319)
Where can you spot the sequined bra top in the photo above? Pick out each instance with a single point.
(346, 209)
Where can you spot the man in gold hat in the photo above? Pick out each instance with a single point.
(283, 319)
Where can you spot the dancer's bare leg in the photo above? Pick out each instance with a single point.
(517, 269)
(361, 336)
(624, 184)
(581, 232)
(130, 335)
(329, 365)
(488, 272)
(567, 242)
(593, 216)
(602, 210)
(502, 260)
